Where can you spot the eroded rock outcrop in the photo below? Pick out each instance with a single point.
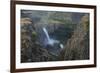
(77, 46)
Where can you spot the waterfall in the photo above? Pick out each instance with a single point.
(46, 33)
(51, 41)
